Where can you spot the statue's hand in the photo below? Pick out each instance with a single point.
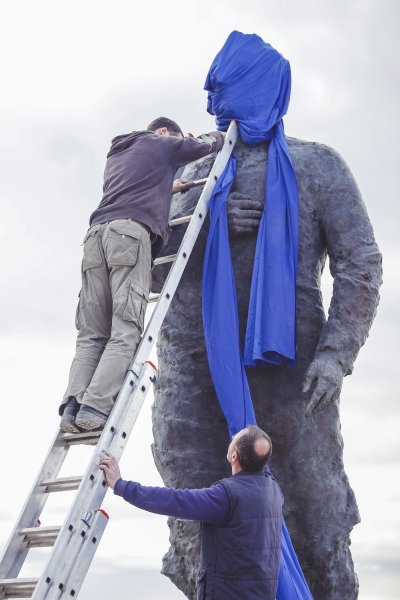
(244, 214)
(325, 375)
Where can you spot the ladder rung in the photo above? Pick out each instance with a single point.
(180, 221)
(62, 484)
(154, 297)
(90, 438)
(165, 259)
(35, 537)
(17, 588)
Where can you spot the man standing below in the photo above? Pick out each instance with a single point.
(241, 519)
(126, 230)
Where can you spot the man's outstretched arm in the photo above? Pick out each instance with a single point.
(211, 505)
(185, 150)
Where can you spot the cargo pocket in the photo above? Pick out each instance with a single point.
(122, 245)
(136, 305)
(91, 249)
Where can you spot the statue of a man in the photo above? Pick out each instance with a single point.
(299, 407)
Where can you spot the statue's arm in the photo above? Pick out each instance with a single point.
(356, 267)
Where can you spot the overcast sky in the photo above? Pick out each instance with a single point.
(74, 74)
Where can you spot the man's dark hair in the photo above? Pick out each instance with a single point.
(164, 122)
(245, 447)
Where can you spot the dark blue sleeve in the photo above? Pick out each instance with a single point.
(211, 505)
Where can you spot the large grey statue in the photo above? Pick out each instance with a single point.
(190, 433)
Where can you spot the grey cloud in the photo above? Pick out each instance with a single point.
(382, 557)
(5, 516)
(374, 456)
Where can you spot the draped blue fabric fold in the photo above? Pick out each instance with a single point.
(250, 81)
(220, 313)
(271, 321)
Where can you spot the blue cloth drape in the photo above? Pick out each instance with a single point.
(220, 314)
(250, 82)
(291, 583)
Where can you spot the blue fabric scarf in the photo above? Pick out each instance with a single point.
(250, 81)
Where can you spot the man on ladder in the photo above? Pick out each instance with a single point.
(126, 231)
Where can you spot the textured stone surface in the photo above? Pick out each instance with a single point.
(190, 434)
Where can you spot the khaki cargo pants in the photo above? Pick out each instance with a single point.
(116, 275)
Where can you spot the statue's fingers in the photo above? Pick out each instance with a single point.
(326, 401)
(243, 212)
(323, 403)
(317, 396)
(241, 225)
(309, 380)
(331, 398)
(241, 202)
(250, 213)
(249, 222)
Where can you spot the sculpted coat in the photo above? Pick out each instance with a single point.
(190, 433)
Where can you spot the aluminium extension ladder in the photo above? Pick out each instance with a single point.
(75, 542)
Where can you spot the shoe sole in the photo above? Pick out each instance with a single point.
(69, 427)
(90, 425)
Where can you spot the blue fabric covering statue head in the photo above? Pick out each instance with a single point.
(248, 81)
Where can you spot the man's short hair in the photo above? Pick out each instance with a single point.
(245, 447)
(164, 122)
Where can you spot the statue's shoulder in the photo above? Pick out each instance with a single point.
(318, 159)
(311, 151)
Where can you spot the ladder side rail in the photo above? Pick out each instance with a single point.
(171, 283)
(79, 569)
(93, 488)
(15, 551)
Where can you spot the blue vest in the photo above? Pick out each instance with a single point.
(240, 561)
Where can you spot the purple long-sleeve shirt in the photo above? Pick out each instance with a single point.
(210, 505)
(139, 174)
